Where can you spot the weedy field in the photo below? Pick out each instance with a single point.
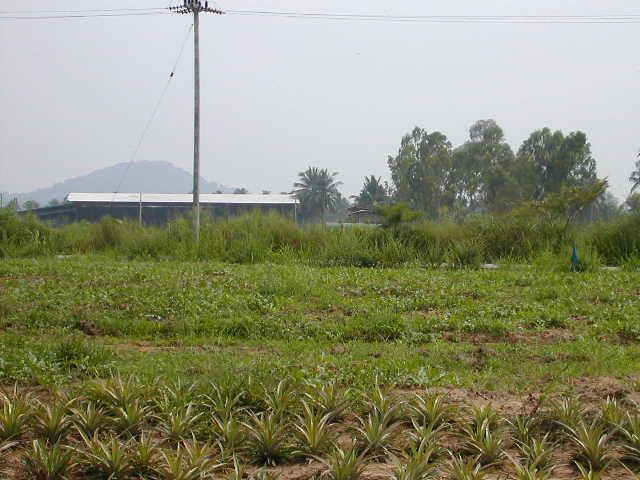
(175, 369)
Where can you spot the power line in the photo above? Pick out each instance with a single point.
(547, 19)
(386, 16)
(358, 17)
(83, 15)
(94, 10)
(154, 112)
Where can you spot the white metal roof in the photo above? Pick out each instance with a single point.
(186, 198)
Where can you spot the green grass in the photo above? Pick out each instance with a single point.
(260, 238)
(507, 329)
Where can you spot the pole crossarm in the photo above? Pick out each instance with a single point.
(193, 6)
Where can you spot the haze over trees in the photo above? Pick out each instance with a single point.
(442, 181)
(485, 175)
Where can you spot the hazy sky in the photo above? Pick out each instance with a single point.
(279, 95)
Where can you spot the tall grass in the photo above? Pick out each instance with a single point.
(618, 241)
(259, 238)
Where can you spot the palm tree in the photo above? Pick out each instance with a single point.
(317, 191)
(635, 176)
(373, 193)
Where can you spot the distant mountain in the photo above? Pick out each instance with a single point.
(145, 177)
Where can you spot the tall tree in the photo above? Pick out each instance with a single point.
(633, 203)
(501, 189)
(483, 169)
(605, 207)
(317, 191)
(421, 171)
(549, 161)
(373, 193)
(570, 202)
(635, 177)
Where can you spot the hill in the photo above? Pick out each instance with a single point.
(143, 176)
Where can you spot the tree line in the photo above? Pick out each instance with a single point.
(483, 175)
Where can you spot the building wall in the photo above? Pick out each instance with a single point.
(151, 214)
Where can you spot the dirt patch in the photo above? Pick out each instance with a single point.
(89, 327)
(147, 348)
(332, 311)
(338, 350)
(378, 471)
(504, 403)
(293, 472)
(474, 338)
(352, 292)
(10, 463)
(142, 347)
(581, 319)
(28, 278)
(598, 388)
(560, 357)
(591, 391)
(626, 337)
(549, 336)
(428, 313)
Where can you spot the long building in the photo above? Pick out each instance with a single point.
(160, 208)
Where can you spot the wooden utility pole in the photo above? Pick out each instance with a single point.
(196, 125)
(195, 7)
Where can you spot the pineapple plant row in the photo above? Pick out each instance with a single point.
(121, 428)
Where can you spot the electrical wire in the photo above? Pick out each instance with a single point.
(358, 17)
(94, 10)
(152, 117)
(83, 15)
(547, 19)
(389, 16)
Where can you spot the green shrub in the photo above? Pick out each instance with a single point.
(24, 236)
(618, 241)
(516, 236)
(466, 253)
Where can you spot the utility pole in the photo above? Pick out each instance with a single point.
(195, 7)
